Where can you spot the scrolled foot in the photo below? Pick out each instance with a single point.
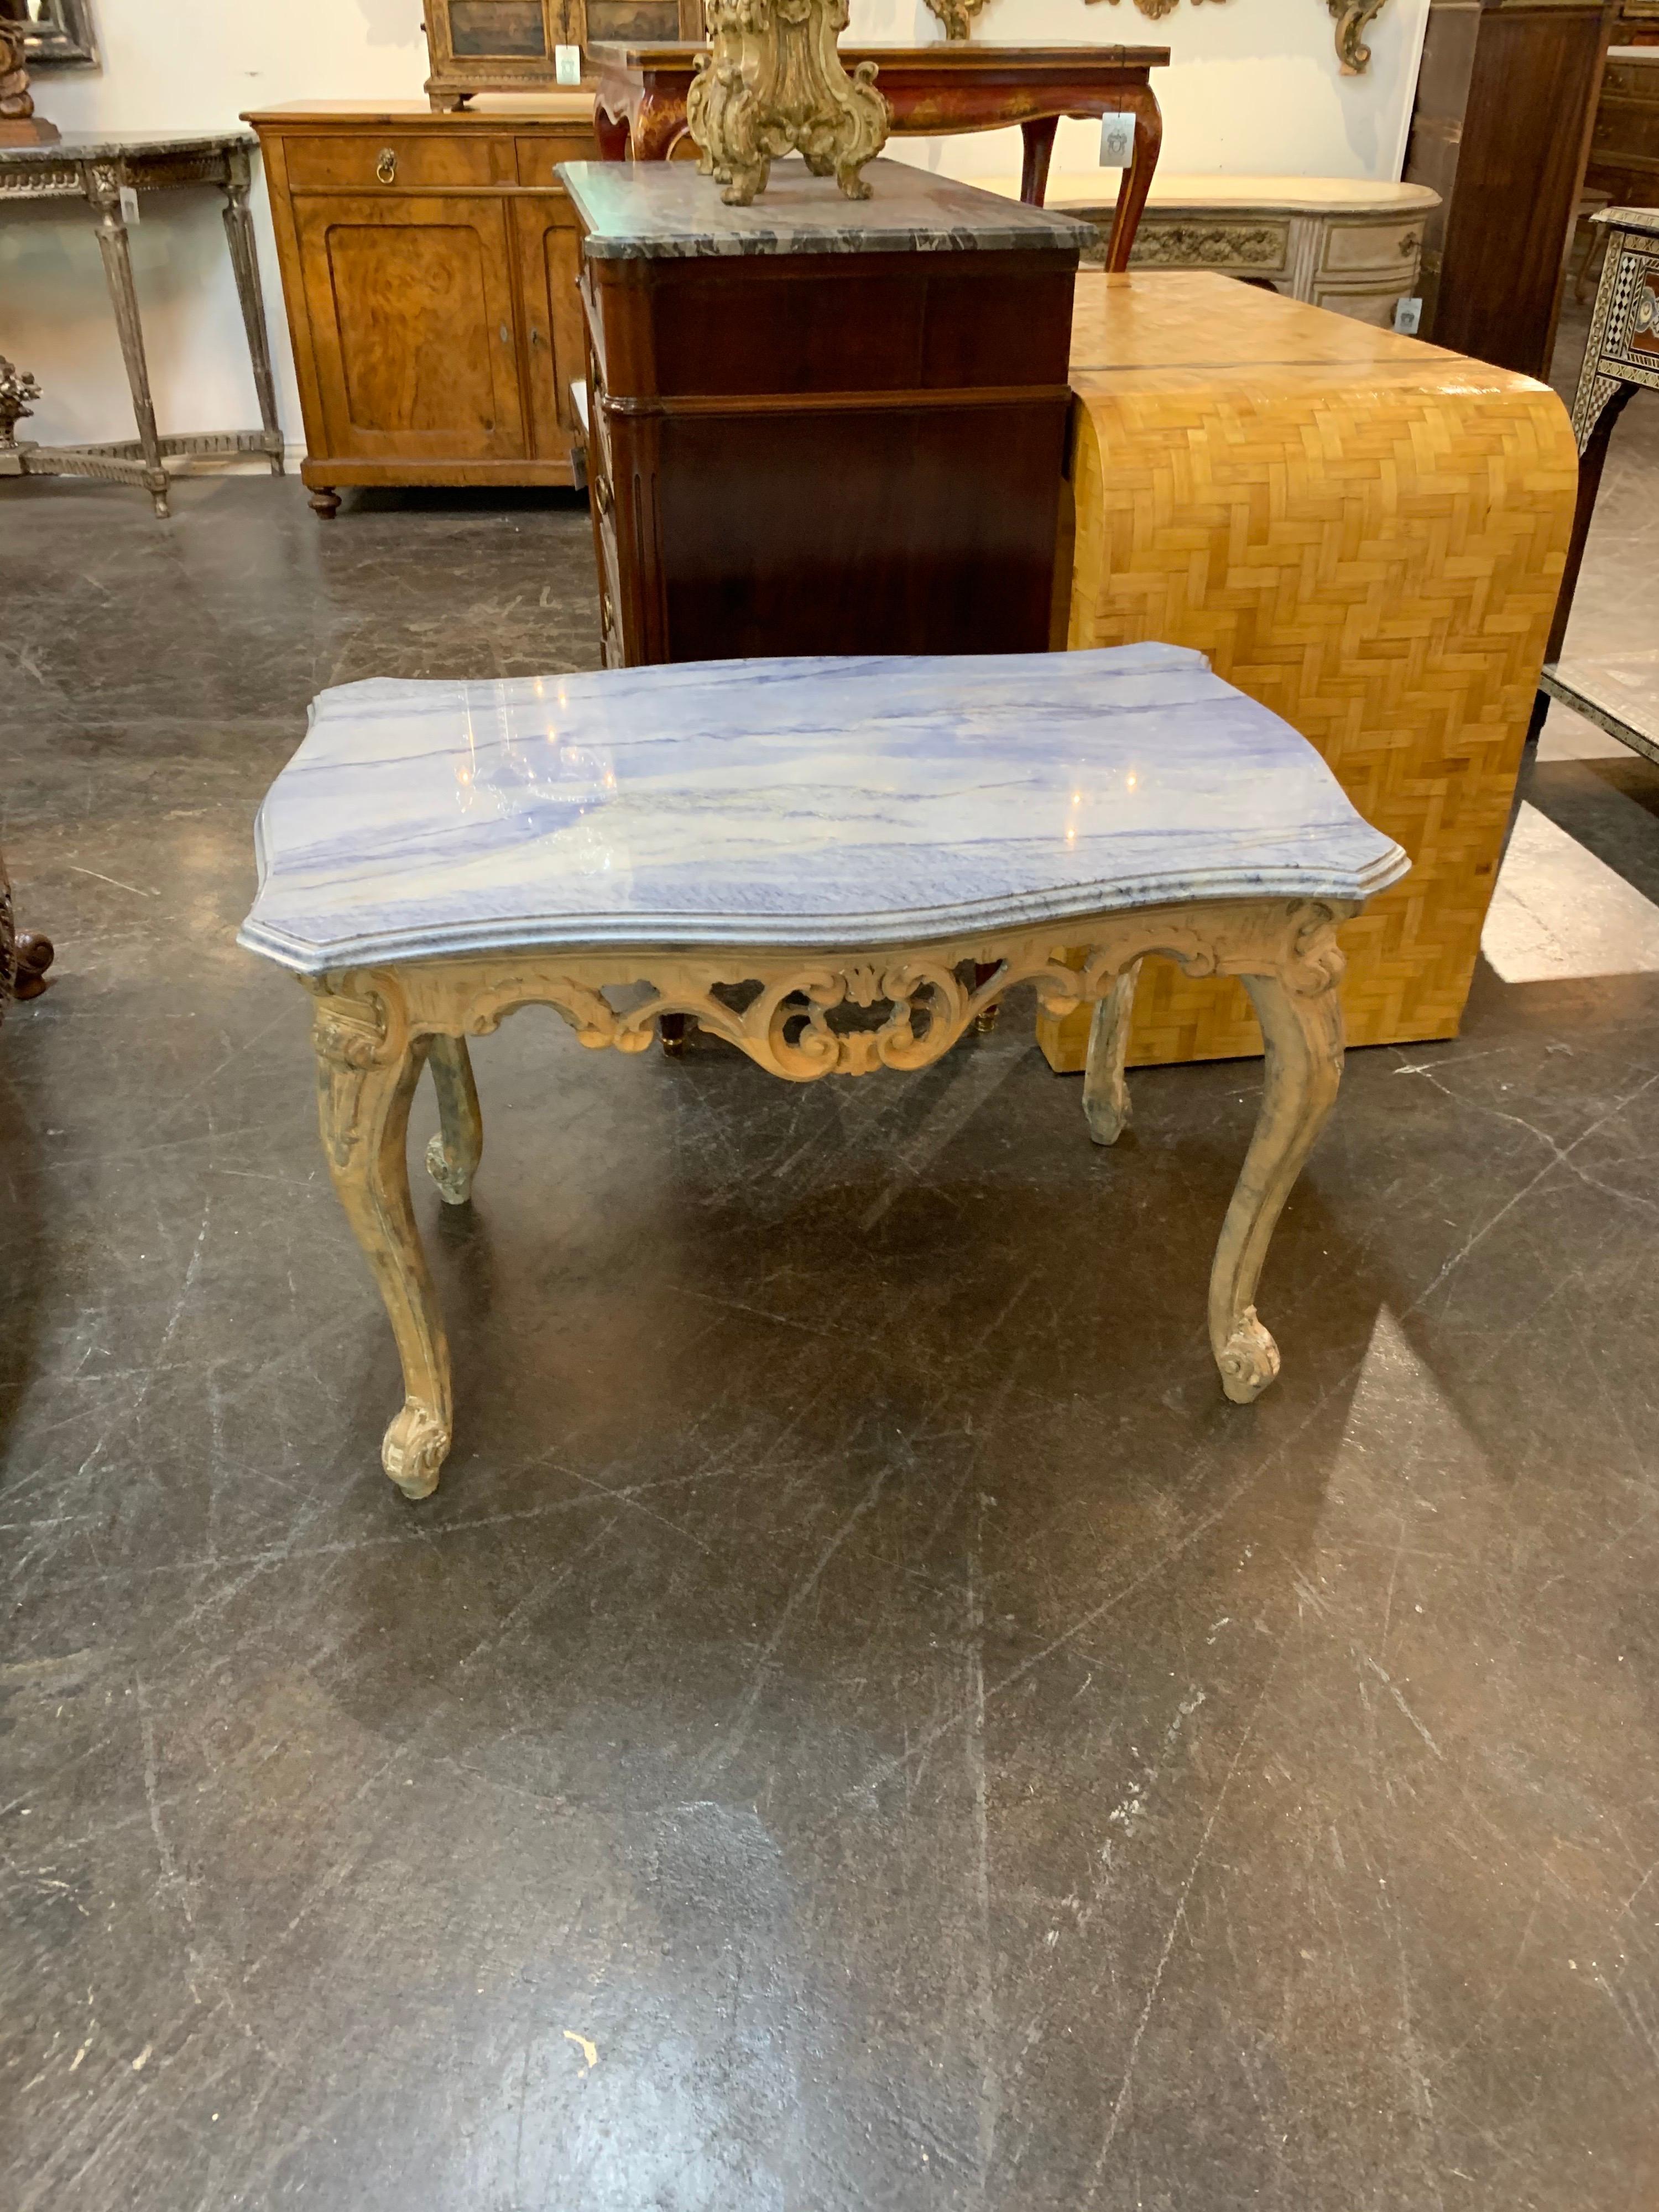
(35, 952)
(416, 1445)
(1248, 1360)
(853, 185)
(453, 1177)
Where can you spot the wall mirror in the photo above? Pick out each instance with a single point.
(57, 34)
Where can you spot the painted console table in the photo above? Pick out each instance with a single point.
(773, 847)
(102, 171)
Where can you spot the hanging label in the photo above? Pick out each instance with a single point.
(567, 65)
(128, 204)
(1409, 316)
(1117, 141)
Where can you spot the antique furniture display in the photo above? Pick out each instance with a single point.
(817, 426)
(1621, 358)
(429, 270)
(102, 171)
(772, 83)
(1506, 97)
(811, 860)
(639, 109)
(1332, 241)
(57, 34)
(1363, 533)
(513, 45)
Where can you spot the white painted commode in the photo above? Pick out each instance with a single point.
(1337, 242)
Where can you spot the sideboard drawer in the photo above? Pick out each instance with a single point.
(1355, 245)
(538, 157)
(396, 161)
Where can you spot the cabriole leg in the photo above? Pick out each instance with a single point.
(1105, 1093)
(365, 1083)
(453, 1156)
(1303, 1035)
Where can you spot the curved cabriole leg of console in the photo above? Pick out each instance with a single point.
(453, 1156)
(1303, 1030)
(1105, 1093)
(365, 1083)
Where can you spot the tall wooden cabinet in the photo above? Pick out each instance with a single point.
(429, 267)
(1505, 97)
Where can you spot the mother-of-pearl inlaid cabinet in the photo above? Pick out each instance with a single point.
(429, 267)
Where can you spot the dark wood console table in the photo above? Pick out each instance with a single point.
(639, 109)
(101, 171)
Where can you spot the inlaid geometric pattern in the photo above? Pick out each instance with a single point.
(1363, 533)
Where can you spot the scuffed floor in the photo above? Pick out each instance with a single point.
(863, 1724)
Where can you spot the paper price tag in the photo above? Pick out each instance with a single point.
(1117, 141)
(129, 205)
(567, 65)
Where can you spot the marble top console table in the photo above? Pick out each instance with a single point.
(639, 108)
(835, 866)
(101, 171)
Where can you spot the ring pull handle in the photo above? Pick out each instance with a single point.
(602, 496)
(387, 167)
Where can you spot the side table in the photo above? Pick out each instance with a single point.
(836, 865)
(1621, 357)
(100, 170)
(639, 109)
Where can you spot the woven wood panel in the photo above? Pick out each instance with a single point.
(1366, 535)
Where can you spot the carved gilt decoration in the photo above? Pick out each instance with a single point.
(773, 83)
(1352, 19)
(1209, 246)
(17, 388)
(1154, 9)
(802, 1017)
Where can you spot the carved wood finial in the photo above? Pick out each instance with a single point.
(19, 124)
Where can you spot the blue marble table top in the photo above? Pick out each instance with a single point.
(820, 804)
(668, 211)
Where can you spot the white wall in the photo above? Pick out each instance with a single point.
(1253, 88)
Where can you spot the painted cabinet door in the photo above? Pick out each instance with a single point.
(411, 302)
(550, 262)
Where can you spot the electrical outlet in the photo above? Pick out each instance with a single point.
(1408, 314)
(1117, 141)
(567, 65)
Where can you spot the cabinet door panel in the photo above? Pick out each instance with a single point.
(550, 262)
(411, 304)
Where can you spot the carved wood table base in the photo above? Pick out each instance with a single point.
(809, 1015)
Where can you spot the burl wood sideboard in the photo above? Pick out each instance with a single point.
(429, 270)
(821, 425)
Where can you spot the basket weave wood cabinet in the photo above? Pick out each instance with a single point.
(429, 266)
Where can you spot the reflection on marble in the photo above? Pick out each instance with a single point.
(668, 211)
(821, 804)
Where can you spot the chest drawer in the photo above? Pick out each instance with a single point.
(395, 161)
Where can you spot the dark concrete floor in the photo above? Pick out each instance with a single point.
(864, 1723)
